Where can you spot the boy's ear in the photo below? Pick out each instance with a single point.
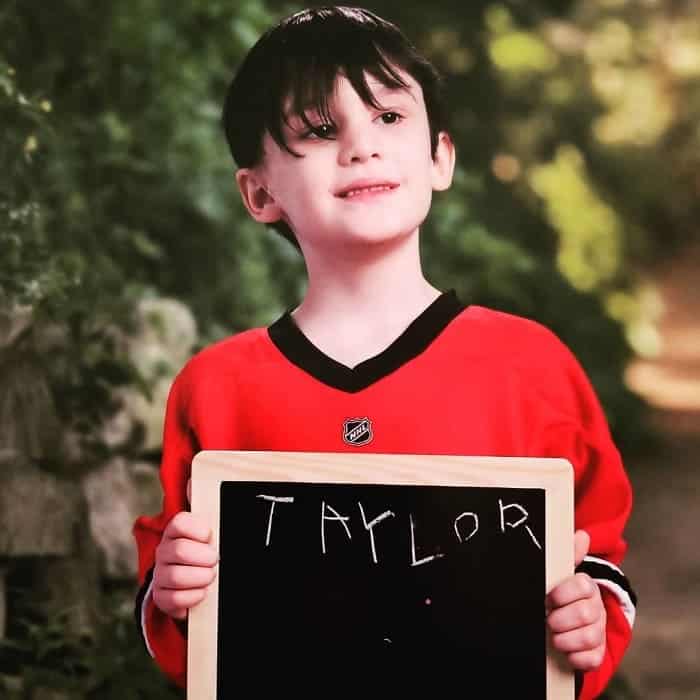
(443, 162)
(260, 204)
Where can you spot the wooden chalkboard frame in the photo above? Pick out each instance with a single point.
(210, 468)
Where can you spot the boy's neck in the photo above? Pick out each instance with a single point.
(357, 306)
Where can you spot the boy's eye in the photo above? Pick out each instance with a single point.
(323, 131)
(326, 130)
(391, 117)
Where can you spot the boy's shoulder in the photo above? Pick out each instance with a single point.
(228, 355)
(529, 349)
(511, 334)
(497, 321)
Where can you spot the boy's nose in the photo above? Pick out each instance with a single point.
(357, 146)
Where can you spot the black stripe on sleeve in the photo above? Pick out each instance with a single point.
(600, 571)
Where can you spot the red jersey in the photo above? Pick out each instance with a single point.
(460, 381)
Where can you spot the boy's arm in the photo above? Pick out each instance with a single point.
(578, 430)
(618, 633)
(616, 592)
(164, 637)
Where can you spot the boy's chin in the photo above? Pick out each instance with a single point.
(377, 229)
(361, 235)
(373, 237)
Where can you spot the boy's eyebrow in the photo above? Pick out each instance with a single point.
(377, 89)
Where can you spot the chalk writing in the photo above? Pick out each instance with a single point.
(370, 527)
(273, 500)
(503, 509)
(336, 516)
(465, 525)
(473, 532)
(424, 560)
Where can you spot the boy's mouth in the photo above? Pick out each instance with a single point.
(366, 187)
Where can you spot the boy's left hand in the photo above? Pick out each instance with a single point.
(576, 614)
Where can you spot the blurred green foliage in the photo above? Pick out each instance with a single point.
(111, 666)
(576, 131)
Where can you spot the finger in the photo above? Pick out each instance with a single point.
(587, 660)
(576, 615)
(184, 577)
(176, 603)
(582, 541)
(186, 552)
(185, 524)
(189, 490)
(573, 588)
(582, 639)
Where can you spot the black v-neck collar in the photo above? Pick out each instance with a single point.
(299, 350)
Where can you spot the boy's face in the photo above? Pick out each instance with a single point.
(370, 183)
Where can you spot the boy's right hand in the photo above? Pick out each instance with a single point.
(185, 564)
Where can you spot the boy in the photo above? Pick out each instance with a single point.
(340, 135)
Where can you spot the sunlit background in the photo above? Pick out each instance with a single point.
(124, 248)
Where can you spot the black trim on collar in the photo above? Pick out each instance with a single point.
(299, 350)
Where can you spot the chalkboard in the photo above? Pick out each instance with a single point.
(380, 575)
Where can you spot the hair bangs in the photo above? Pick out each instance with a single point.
(309, 78)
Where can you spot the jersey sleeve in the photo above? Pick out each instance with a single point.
(164, 637)
(576, 429)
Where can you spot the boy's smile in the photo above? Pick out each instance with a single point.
(356, 190)
(365, 177)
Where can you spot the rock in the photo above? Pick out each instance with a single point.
(168, 331)
(117, 429)
(116, 495)
(13, 322)
(28, 421)
(38, 511)
(69, 587)
(149, 414)
(45, 518)
(165, 335)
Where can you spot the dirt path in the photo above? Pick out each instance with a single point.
(663, 662)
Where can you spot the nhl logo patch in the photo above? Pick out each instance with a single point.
(357, 431)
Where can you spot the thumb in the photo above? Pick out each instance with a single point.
(582, 541)
(189, 490)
